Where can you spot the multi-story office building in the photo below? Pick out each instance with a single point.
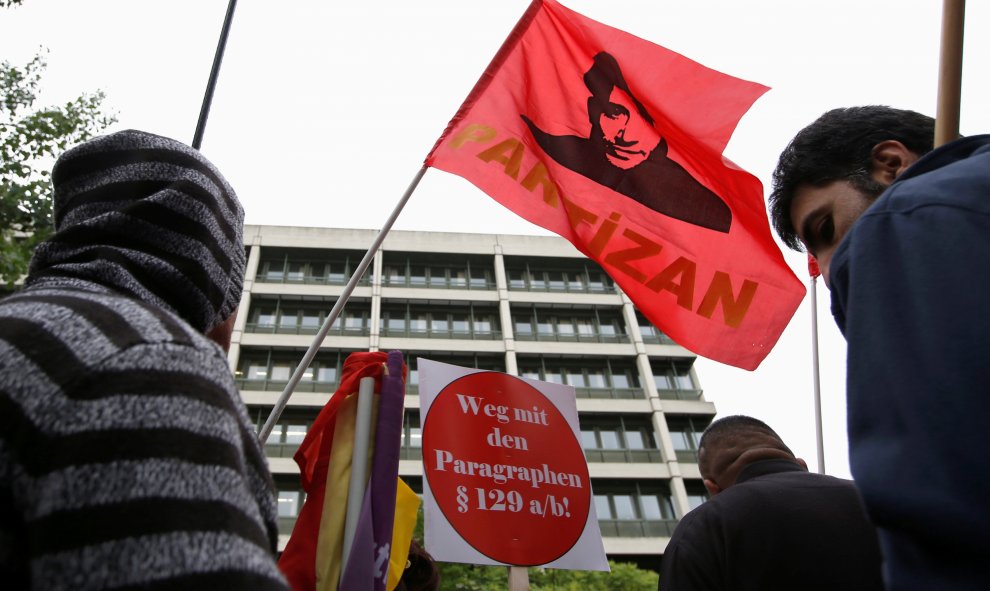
(527, 305)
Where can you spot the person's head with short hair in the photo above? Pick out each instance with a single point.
(619, 122)
(836, 167)
(421, 573)
(731, 443)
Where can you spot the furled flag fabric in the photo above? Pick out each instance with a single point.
(312, 558)
(615, 143)
(368, 563)
(406, 514)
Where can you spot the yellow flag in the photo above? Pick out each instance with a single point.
(406, 510)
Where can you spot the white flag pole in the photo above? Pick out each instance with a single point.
(359, 462)
(950, 72)
(819, 439)
(321, 334)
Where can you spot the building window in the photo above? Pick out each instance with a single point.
(270, 369)
(685, 434)
(594, 324)
(592, 377)
(651, 334)
(673, 379)
(288, 503)
(412, 437)
(633, 509)
(697, 494)
(424, 270)
(288, 315)
(557, 275)
(618, 438)
(459, 322)
(309, 265)
(287, 433)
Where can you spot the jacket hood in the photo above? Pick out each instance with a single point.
(150, 217)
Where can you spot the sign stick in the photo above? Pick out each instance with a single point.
(283, 399)
(518, 578)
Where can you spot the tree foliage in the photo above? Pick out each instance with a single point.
(624, 577)
(30, 139)
(469, 577)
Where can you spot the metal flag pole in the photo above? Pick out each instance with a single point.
(816, 375)
(204, 111)
(359, 463)
(283, 399)
(950, 72)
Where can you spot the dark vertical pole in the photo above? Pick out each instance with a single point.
(204, 111)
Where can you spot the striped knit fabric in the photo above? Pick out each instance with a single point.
(151, 217)
(127, 459)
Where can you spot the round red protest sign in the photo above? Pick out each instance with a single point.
(506, 469)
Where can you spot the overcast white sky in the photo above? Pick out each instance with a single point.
(324, 112)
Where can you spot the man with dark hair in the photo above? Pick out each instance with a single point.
(627, 154)
(840, 146)
(770, 524)
(127, 459)
(902, 234)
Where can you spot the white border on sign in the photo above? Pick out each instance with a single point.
(442, 540)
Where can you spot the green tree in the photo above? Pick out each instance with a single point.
(30, 139)
(469, 577)
(624, 577)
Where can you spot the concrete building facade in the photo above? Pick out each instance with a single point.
(527, 305)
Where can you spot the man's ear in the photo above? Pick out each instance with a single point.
(802, 462)
(221, 333)
(712, 487)
(889, 159)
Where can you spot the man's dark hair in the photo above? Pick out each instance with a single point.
(734, 426)
(839, 146)
(601, 78)
(421, 573)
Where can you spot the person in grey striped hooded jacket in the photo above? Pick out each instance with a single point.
(127, 459)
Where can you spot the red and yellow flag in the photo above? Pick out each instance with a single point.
(616, 143)
(313, 557)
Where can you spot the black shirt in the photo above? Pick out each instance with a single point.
(778, 527)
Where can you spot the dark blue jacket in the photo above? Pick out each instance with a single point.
(911, 292)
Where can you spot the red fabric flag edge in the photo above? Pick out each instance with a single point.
(298, 561)
(813, 269)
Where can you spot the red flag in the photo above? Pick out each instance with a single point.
(615, 143)
(299, 559)
(813, 269)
